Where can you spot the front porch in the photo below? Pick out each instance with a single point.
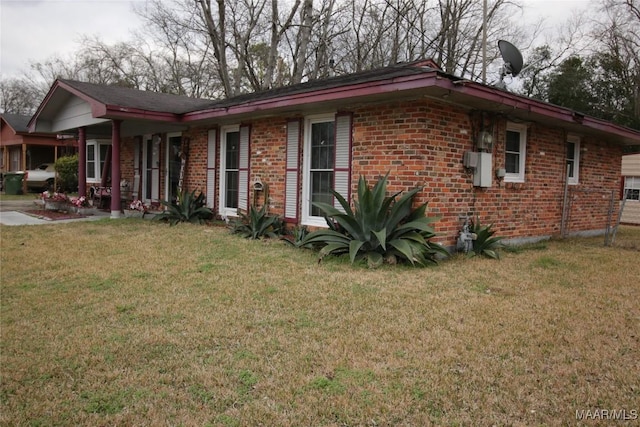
(124, 155)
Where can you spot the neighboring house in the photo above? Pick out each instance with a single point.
(531, 168)
(22, 150)
(631, 188)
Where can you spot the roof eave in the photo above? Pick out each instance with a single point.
(507, 100)
(121, 112)
(336, 93)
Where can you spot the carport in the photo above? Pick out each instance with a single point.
(22, 150)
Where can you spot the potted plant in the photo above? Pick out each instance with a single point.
(81, 205)
(136, 209)
(55, 201)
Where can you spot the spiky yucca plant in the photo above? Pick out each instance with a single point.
(258, 223)
(378, 228)
(187, 208)
(485, 244)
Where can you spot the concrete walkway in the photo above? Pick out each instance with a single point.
(10, 215)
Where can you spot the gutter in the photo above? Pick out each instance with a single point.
(544, 109)
(397, 84)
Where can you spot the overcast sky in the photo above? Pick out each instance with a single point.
(34, 30)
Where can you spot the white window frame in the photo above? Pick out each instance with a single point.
(222, 180)
(631, 183)
(96, 143)
(522, 130)
(575, 177)
(307, 218)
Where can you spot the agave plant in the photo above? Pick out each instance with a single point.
(187, 208)
(485, 244)
(378, 228)
(257, 223)
(295, 237)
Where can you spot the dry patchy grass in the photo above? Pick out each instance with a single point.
(136, 323)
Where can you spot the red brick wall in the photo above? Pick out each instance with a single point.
(419, 143)
(127, 157)
(268, 161)
(422, 143)
(196, 172)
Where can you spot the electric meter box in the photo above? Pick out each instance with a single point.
(482, 174)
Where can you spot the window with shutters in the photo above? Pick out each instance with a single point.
(326, 159)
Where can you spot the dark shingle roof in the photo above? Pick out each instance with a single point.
(390, 72)
(140, 99)
(18, 122)
(176, 104)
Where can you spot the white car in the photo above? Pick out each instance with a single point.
(42, 177)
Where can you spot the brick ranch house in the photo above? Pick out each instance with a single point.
(533, 169)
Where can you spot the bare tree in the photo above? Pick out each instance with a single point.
(18, 96)
(617, 40)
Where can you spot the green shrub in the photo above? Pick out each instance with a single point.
(379, 228)
(485, 244)
(187, 208)
(67, 169)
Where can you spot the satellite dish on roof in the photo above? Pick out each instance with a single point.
(512, 57)
(513, 62)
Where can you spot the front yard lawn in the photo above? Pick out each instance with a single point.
(132, 322)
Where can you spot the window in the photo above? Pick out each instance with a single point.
(326, 161)
(573, 159)
(514, 158)
(96, 157)
(91, 161)
(14, 159)
(322, 147)
(632, 187)
(229, 170)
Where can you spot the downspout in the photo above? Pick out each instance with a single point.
(565, 213)
(115, 169)
(24, 167)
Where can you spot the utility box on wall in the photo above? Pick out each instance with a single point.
(482, 175)
(481, 163)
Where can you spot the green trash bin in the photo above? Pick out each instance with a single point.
(13, 182)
